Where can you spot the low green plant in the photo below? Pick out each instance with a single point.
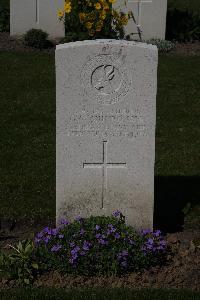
(20, 263)
(36, 38)
(99, 246)
(163, 45)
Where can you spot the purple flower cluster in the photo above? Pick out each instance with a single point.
(45, 235)
(78, 251)
(64, 222)
(82, 242)
(48, 233)
(122, 258)
(154, 241)
(101, 239)
(117, 214)
(56, 248)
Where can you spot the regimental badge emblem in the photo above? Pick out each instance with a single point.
(105, 79)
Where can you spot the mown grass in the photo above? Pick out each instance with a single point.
(27, 133)
(100, 294)
(27, 113)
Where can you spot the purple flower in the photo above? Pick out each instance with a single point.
(82, 231)
(149, 247)
(150, 241)
(146, 231)
(163, 243)
(109, 231)
(82, 253)
(111, 228)
(75, 256)
(117, 235)
(79, 218)
(157, 233)
(86, 245)
(64, 222)
(39, 234)
(54, 231)
(75, 250)
(103, 242)
(124, 264)
(97, 227)
(56, 248)
(116, 214)
(46, 239)
(72, 244)
(98, 235)
(47, 230)
(124, 253)
(72, 261)
(61, 236)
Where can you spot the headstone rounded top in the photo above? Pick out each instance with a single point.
(105, 42)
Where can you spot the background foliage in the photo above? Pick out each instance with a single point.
(183, 20)
(4, 15)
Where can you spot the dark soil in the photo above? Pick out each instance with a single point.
(13, 44)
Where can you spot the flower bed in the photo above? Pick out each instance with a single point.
(91, 246)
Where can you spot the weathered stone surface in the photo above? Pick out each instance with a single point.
(39, 14)
(106, 114)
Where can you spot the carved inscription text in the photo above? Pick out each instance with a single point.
(122, 122)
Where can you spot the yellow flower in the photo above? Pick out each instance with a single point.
(67, 7)
(124, 20)
(97, 5)
(106, 7)
(88, 25)
(82, 16)
(112, 1)
(91, 32)
(60, 13)
(102, 15)
(99, 26)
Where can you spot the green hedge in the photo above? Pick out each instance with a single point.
(183, 5)
(183, 20)
(4, 15)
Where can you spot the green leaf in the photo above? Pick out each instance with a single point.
(35, 266)
(27, 281)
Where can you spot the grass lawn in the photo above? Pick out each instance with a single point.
(111, 294)
(27, 133)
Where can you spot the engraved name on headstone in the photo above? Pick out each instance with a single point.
(106, 112)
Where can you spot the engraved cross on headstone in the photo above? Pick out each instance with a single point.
(104, 165)
(138, 23)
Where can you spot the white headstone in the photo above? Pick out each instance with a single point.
(39, 14)
(106, 114)
(150, 17)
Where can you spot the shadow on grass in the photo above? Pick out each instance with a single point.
(172, 194)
